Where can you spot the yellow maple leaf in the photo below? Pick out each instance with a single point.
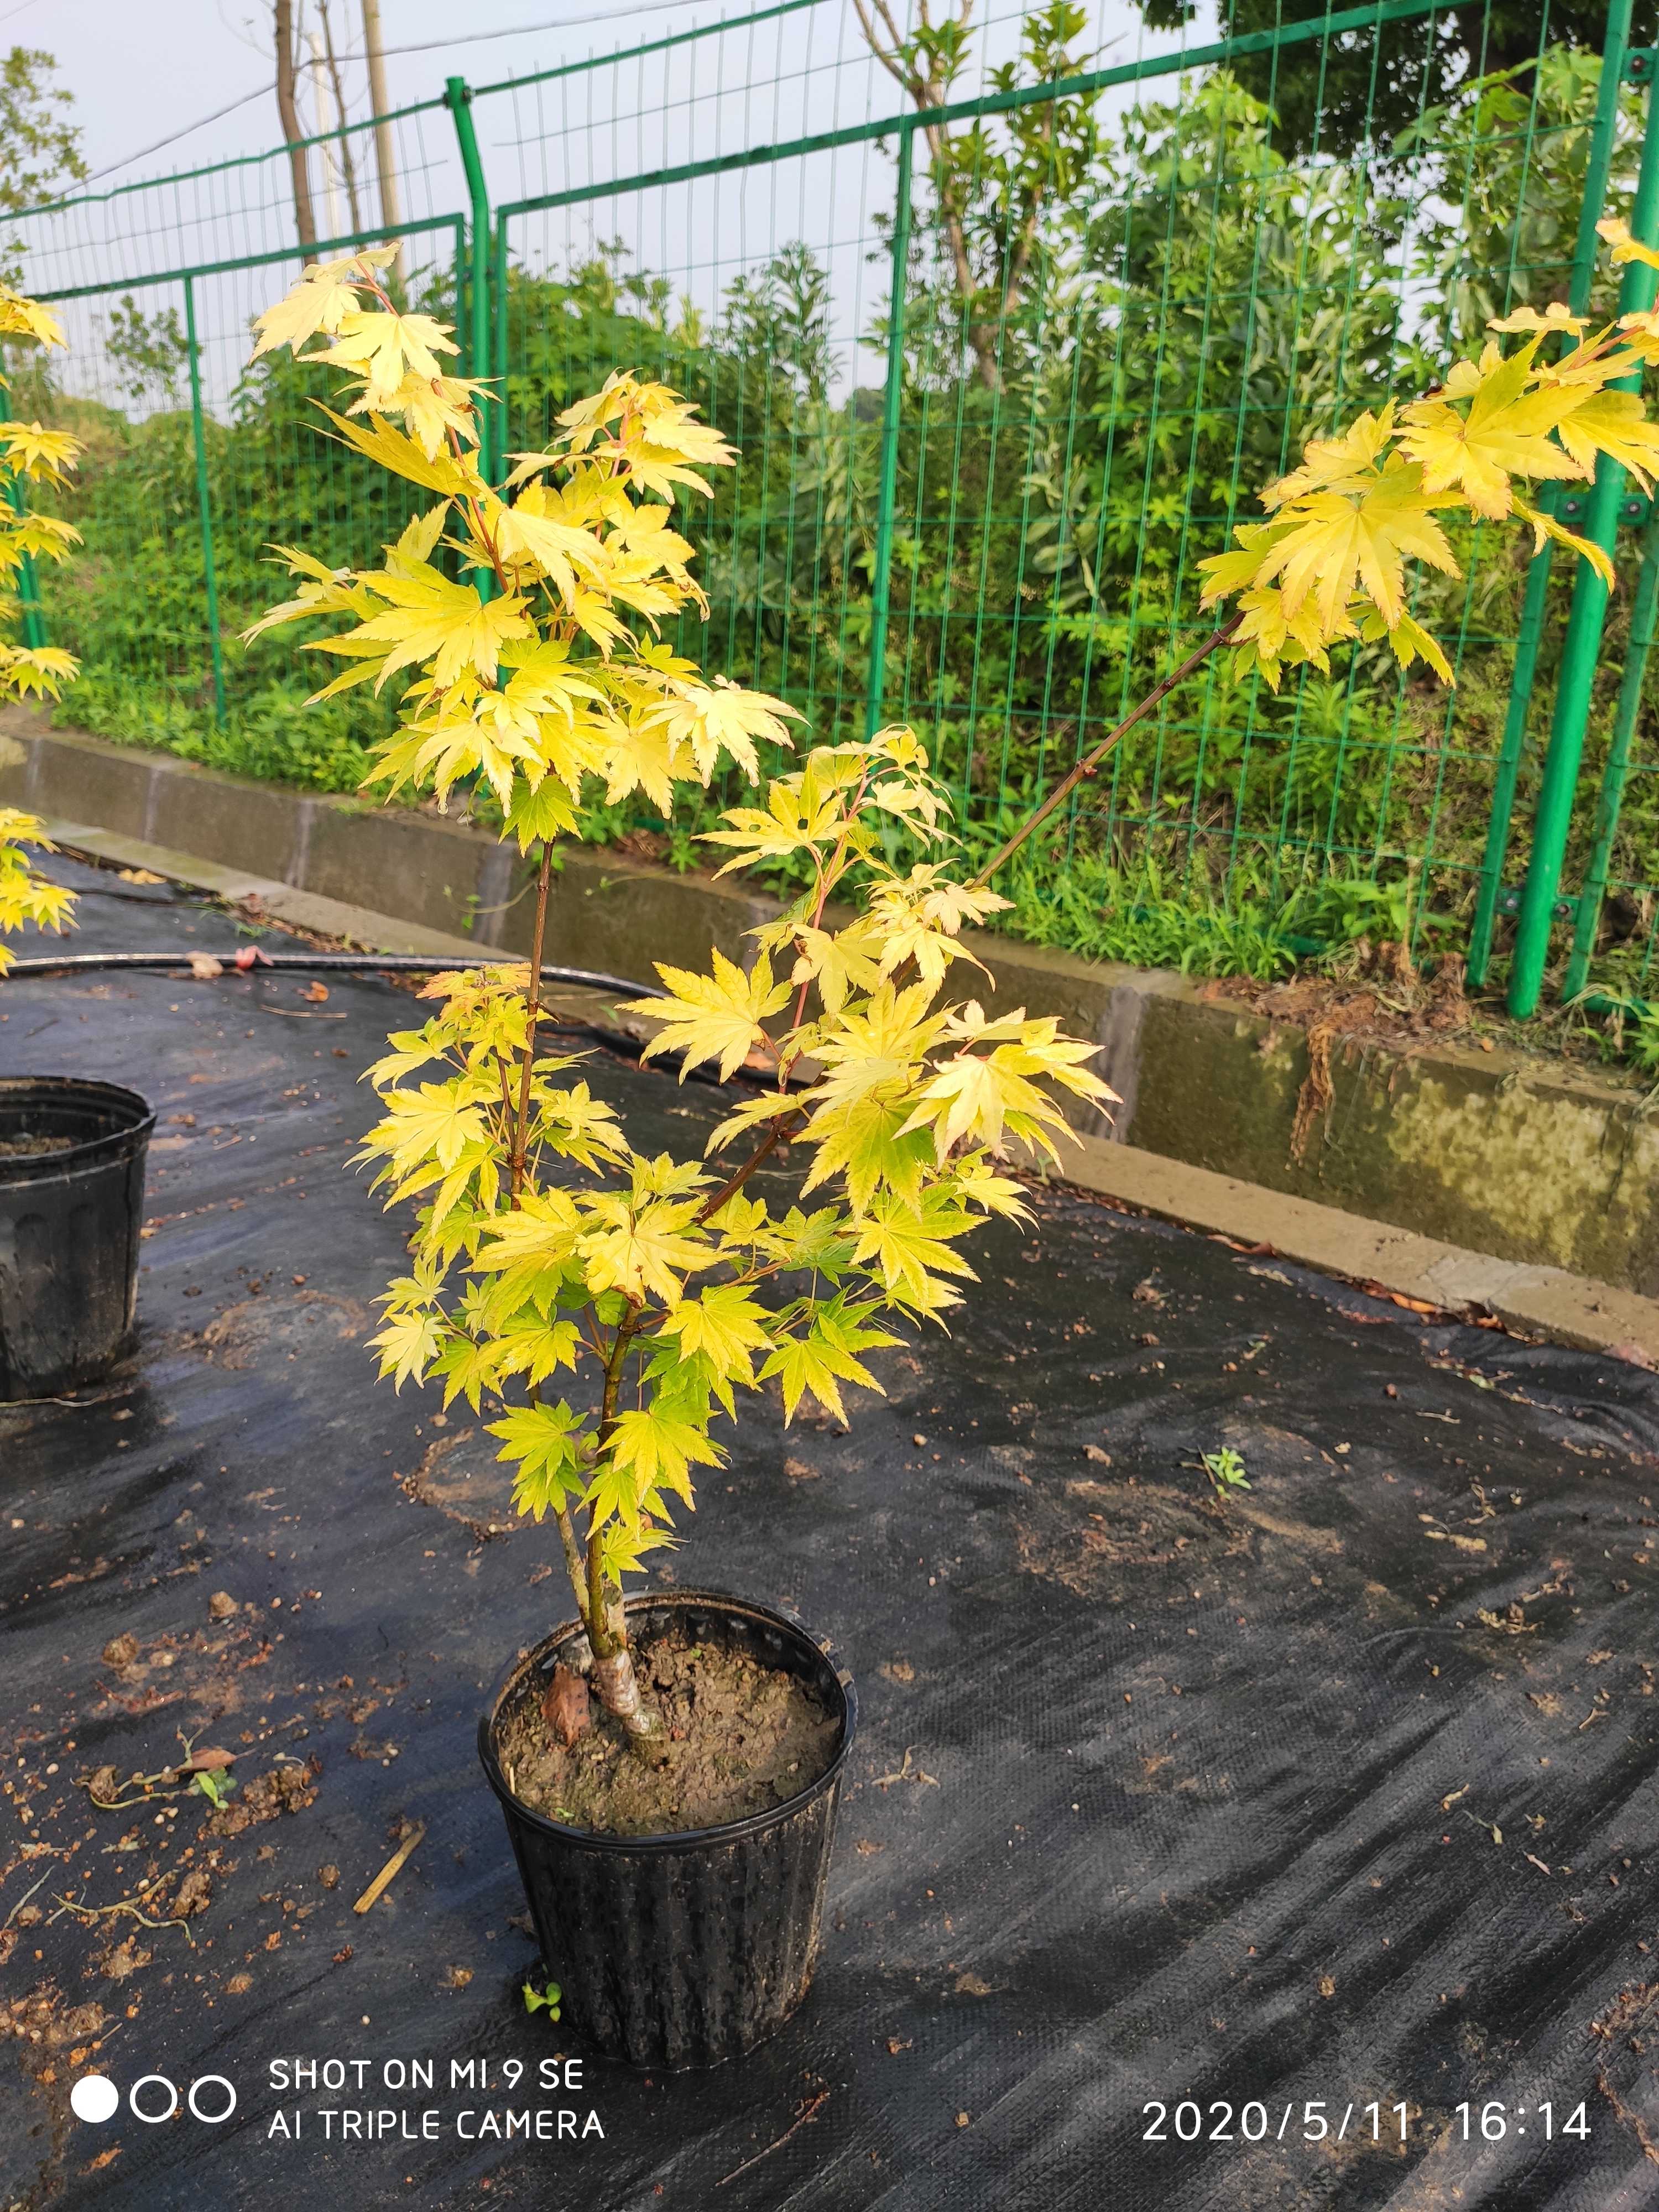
(1616, 232)
(722, 715)
(431, 619)
(1505, 433)
(1544, 526)
(1616, 424)
(1347, 463)
(28, 319)
(1341, 544)
(320, 301)
(390, 449)
(719, 1016)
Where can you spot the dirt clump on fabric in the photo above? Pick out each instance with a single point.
(735, 1738)
(288, 1788)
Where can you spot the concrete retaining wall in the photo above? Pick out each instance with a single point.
(1502, 1153)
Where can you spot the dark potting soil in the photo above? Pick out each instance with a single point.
(1178, 1848)
(23, 1148)
(735, 1738)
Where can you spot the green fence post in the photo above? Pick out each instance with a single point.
(1597, 168)
(28, 583)
(457, 97)
(1644, 606)
(204, 505)
(1556, 795)
(881, 584)
(498, 304)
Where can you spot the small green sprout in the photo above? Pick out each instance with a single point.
(1225, 1470)
(547, 2002)
(214, 1787)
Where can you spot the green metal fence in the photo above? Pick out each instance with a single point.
(1004, 365)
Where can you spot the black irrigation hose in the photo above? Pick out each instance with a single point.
(348, 963)
(370, 963)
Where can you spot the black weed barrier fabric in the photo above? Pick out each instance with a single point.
(1188, 1854)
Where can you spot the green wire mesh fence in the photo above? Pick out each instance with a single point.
(1008, 339)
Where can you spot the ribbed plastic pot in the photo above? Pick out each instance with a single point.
(69, 1229)
(685, 1949)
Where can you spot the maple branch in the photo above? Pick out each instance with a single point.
(521, 1118)
(776, 1135)
(1087, 766)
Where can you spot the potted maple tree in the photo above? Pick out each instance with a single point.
(669, 1762)
(72, 1151)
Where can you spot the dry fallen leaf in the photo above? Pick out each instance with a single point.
(138, 876)
(204, 967)
(565, 1707)
(316, 993)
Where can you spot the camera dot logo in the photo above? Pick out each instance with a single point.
(94, 2098)
(153, 2099)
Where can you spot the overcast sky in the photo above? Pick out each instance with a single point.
(147, 81)
(143, 73)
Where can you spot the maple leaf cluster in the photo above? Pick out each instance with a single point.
(518, 663)
(29, 454)
(1331, 564)
(605, 1306)
(671, 1281)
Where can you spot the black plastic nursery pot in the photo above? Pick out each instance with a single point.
(71, 1205)
(684, 1949)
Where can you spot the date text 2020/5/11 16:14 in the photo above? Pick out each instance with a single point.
(1317, 2122)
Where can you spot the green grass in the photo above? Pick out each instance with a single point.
(1086, 903)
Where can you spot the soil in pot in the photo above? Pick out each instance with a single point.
(736, 1739)
(19, 1148)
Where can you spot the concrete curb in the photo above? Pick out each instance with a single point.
(1535, 1301)
(1551, 1169)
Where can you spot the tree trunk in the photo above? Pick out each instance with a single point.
(348, 167)
(287, 107)
(385, 159)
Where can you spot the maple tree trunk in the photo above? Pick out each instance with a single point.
(613, 1675)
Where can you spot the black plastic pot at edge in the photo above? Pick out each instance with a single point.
(69, 1230)
(684, 1949)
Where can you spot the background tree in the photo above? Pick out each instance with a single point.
(1337, 102)
(992, 180)
(39, 148)
(285, 32)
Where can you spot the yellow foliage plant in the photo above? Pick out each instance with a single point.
(29, 454)
(546, 1245)
(1332, 564)
(547, 1248)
